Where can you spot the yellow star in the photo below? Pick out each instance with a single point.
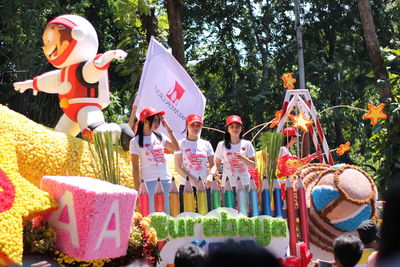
(375, 113)
(19, 200)
(278, 116)
(288, 81)
(301, 122)
(343, 149)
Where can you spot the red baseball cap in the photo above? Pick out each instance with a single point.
(193, 117)
(233, 118)
(148, 112)
(290, 131)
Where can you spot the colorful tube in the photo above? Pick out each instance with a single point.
(242, 198)
(159, 202)
(188, 197)
(143, 201)
(159, 197)
(253, 196)
(266, 199)
(202, 205)
(301, 197)
(173, 198)
(215, 195)
(277, 199)
(291, 217)
(229, 200)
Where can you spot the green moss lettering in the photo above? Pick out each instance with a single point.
(190, 227)
(211, 227)
(228, 225)
(246, 226)
(262, 231)
(159, 223)
(279, 227)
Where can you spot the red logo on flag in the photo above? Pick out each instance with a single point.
(176, 93)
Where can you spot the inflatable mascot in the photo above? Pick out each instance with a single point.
(81, 80)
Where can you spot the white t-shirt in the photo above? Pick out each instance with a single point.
(195, 157)
(153, 163)
(233, 167)
(283, 151)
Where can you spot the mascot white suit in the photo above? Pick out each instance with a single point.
(81, 80)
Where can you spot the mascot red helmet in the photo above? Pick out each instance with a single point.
(81, 46)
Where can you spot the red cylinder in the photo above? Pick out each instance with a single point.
(143, 203)
(159, 202)
(291, 218)
(301, 196)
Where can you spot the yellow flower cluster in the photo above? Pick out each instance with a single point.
(43, 151)
(65, 260)
(145, 222)
(27, 201)
(138, 216)
(135, 238)
(31, 151)
(153, 236)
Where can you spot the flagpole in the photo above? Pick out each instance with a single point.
(133, 111)
(300, 56)
(299, 44)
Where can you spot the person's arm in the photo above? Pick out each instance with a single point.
(133, 114)
(249, 159)
(212, 171)
(311, 157)
(217, 159)
(173, 145)
(135, 171)
(179, 169)
(249, 162)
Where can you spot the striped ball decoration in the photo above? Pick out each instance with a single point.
(344, 197)
(339, 197)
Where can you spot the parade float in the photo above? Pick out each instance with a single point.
(79, 218)
(329, 204)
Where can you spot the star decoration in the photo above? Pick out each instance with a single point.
(375, 113)
(278, 116)
(343, 149)
(288, 81)
(19, 200)
(301, 122)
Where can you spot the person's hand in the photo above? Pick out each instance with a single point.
(23, 86)
(106, 58)
(165, 124)
(240, 156)
(208, 181)
(120, 54)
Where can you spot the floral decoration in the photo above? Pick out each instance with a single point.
(22, 200)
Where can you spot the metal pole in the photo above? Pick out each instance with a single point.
(299, 44)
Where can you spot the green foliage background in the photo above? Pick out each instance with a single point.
(236, 51)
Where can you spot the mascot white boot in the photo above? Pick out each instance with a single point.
(81, 80)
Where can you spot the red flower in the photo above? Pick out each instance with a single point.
(87, 134)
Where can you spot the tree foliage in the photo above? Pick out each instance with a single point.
(236, 51)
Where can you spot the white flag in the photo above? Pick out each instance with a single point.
(166, 86)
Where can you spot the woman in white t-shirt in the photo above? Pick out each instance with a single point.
(235, 153)
(291, 137)
(148, 146)
(195, 157)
